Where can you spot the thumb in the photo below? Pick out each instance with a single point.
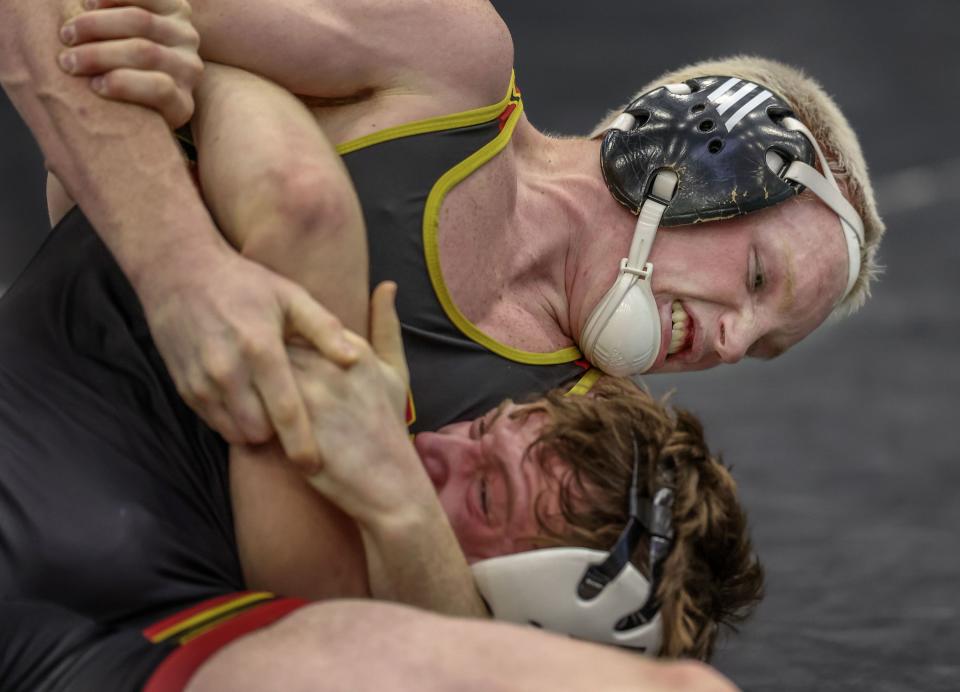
(309, 320)
(385, 336)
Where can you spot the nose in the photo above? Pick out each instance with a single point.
(734, 336)
(448, 456)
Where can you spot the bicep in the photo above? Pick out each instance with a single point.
(332, 48)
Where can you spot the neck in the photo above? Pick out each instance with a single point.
(574, 226)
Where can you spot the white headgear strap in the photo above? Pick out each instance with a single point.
(825, 187)
(622, 335)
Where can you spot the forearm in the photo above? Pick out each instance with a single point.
(414, 558)
(118, 161)
(290, 539)
(279, 191)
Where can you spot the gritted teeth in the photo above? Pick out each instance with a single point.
(681, 325)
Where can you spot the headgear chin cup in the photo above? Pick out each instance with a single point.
(737, 148)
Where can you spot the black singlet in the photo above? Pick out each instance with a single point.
(402, 176)
(114, 496)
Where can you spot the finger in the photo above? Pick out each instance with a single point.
(155, 90)
(385, 335)
(307, 318)
(222, 383)
(244, 406)
(213, 413)
(155, 6)
(128, 22)
(134, 53)
(275, 382)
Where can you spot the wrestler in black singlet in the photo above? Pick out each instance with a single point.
(402, 176)
(114, 500)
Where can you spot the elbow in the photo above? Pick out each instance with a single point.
(304, 202)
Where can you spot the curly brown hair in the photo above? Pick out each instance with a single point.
(712, 576)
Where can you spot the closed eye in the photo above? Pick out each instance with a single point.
(755, 274)
(484, 499)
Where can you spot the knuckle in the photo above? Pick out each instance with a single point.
(257, 431)
(142, 21)
(166, 88)
(184, 112)
(256, 347)
(120, 84)
(196, 66)
(192, 70)
(148, 54)
(286, 412)
(219, 368)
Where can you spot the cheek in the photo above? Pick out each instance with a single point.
(693, 260)
(477, 540)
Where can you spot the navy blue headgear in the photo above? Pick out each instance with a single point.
(715, 139)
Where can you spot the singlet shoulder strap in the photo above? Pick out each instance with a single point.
(436, 124)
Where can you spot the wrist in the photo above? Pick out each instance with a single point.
(161, 267)
(410, 516)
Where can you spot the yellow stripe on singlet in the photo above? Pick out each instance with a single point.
(442, 122)
(431, 225)
(585, 383)
(438, 193)
(215, 613)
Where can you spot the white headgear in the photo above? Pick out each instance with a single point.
(588, 594)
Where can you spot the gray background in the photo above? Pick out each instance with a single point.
(846, 447)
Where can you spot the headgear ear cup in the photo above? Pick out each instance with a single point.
(622, 334)
(539, 588)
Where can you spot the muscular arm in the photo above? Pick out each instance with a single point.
(279, 191)
(281, 194)
(282, 197)
(87, 140)
(331, 48)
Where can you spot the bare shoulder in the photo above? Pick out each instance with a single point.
(473, 49)
(448, 49)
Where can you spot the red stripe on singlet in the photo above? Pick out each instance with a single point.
(505, 115)
(173, 674)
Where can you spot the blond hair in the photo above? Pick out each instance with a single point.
(818, 111)
(712, 577)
